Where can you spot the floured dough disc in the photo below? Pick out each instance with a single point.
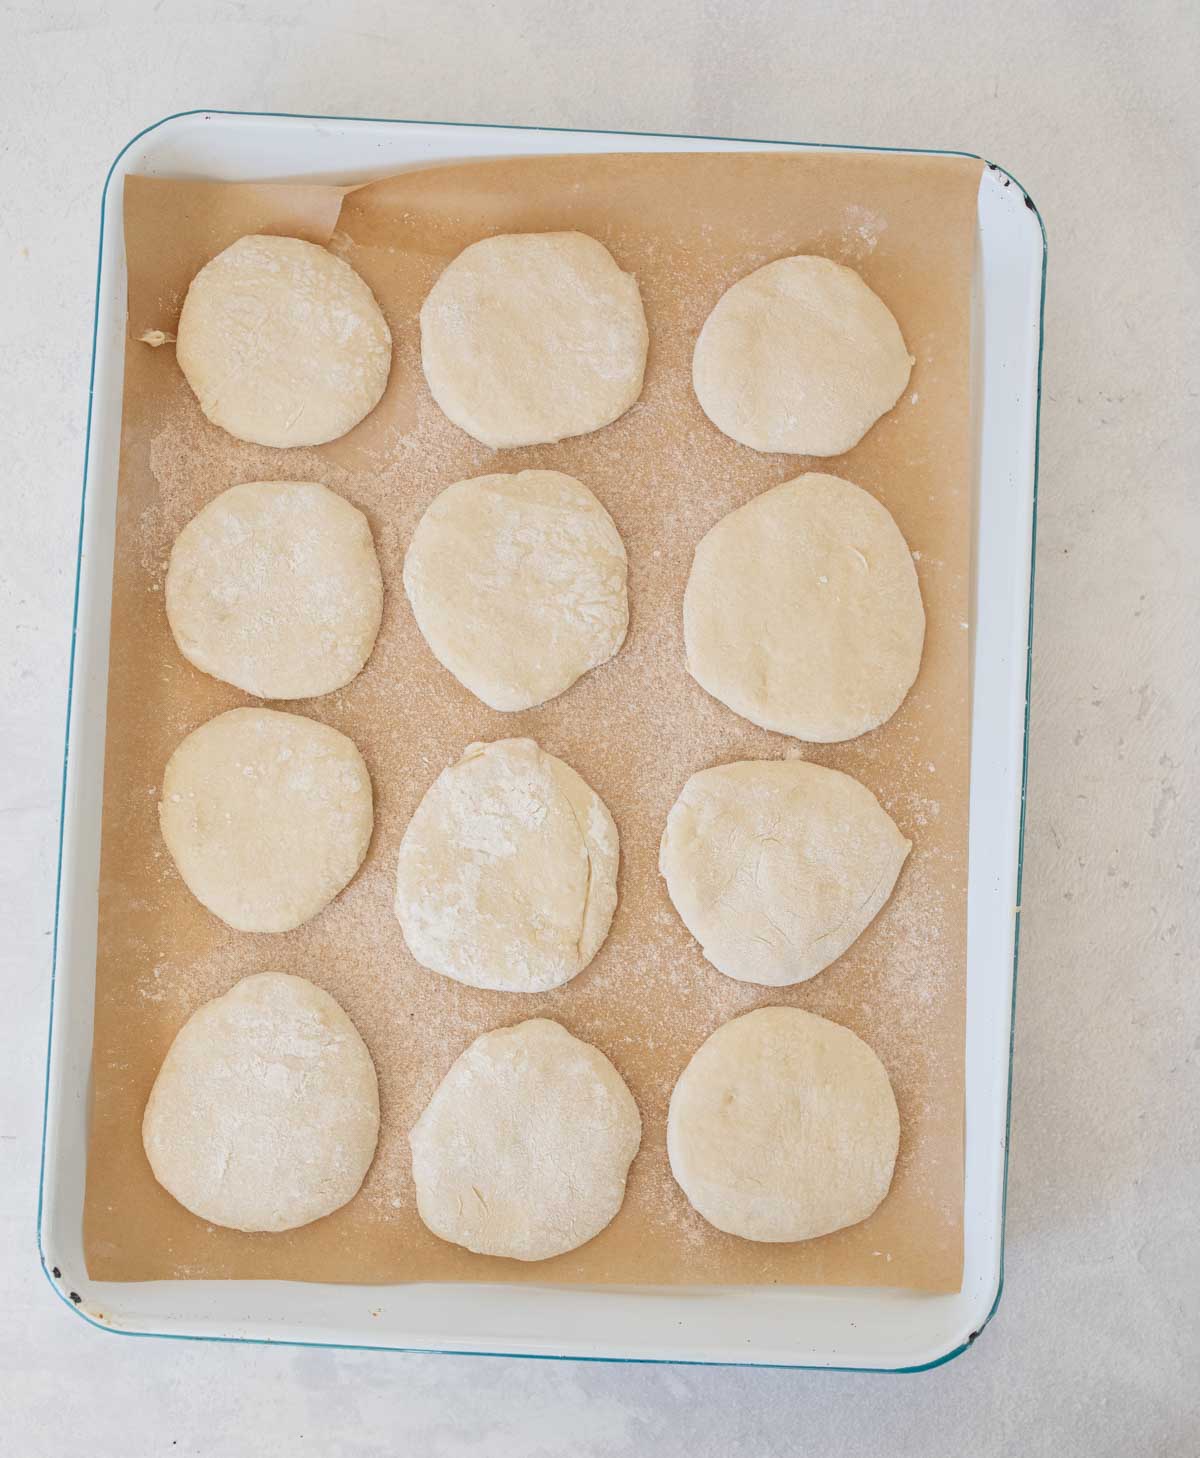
(518, 584)
(508, 870)
(531, 337)
(265, 1112)
(783, 1127)
(282, 343)
(524, 1148)
(777, 866)
(800, 356)
(275, 588)
(802, 611)
(267, 816)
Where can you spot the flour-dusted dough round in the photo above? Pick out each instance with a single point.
(275, 588)
(518, 584)
(530, 337)
(800, 356)
(265, 1112)
(524, 1148)
(282, 343)
(508, 870)
(783, 1127)
(777, 866)
(802, 611)
(267, 816)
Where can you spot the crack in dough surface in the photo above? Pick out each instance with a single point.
(507, 874)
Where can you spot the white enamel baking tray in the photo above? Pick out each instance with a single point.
(810, 1327)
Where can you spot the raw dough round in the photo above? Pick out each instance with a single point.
(783, 1127)
(265, 1112)
(800, 356)
(524, 1148)
(275, 588)
(267, 816)
(777, 866)
(282, 343)
(508, 870)
(518, 584)
(530, 337)
(802, 611)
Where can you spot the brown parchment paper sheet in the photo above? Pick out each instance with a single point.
(687, 226)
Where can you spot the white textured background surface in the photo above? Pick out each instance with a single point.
(1096, 1347)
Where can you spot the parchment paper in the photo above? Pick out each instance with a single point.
(687, 226)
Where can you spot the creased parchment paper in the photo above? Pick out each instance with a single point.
(687, 226)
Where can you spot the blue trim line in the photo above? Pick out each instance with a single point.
(77, 1309)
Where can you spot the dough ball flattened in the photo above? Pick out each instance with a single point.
(518, 584)
(265, 1112)
(275, 587)
(783, 1127)
(524, 1148)
(282, 343)
(777, 866)
(267, 816)
(508, 871)
(527, 338)
(800, 356)
(802, 611)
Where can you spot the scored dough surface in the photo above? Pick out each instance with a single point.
(507, 874)
(802, 611)
(282, 343)
(783, 1127)
(275, 587)
(777, 866)
(524, 1148)
(265, 1112)
(800, 356)
(527, 338)
(517, 583)
(267, 816)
